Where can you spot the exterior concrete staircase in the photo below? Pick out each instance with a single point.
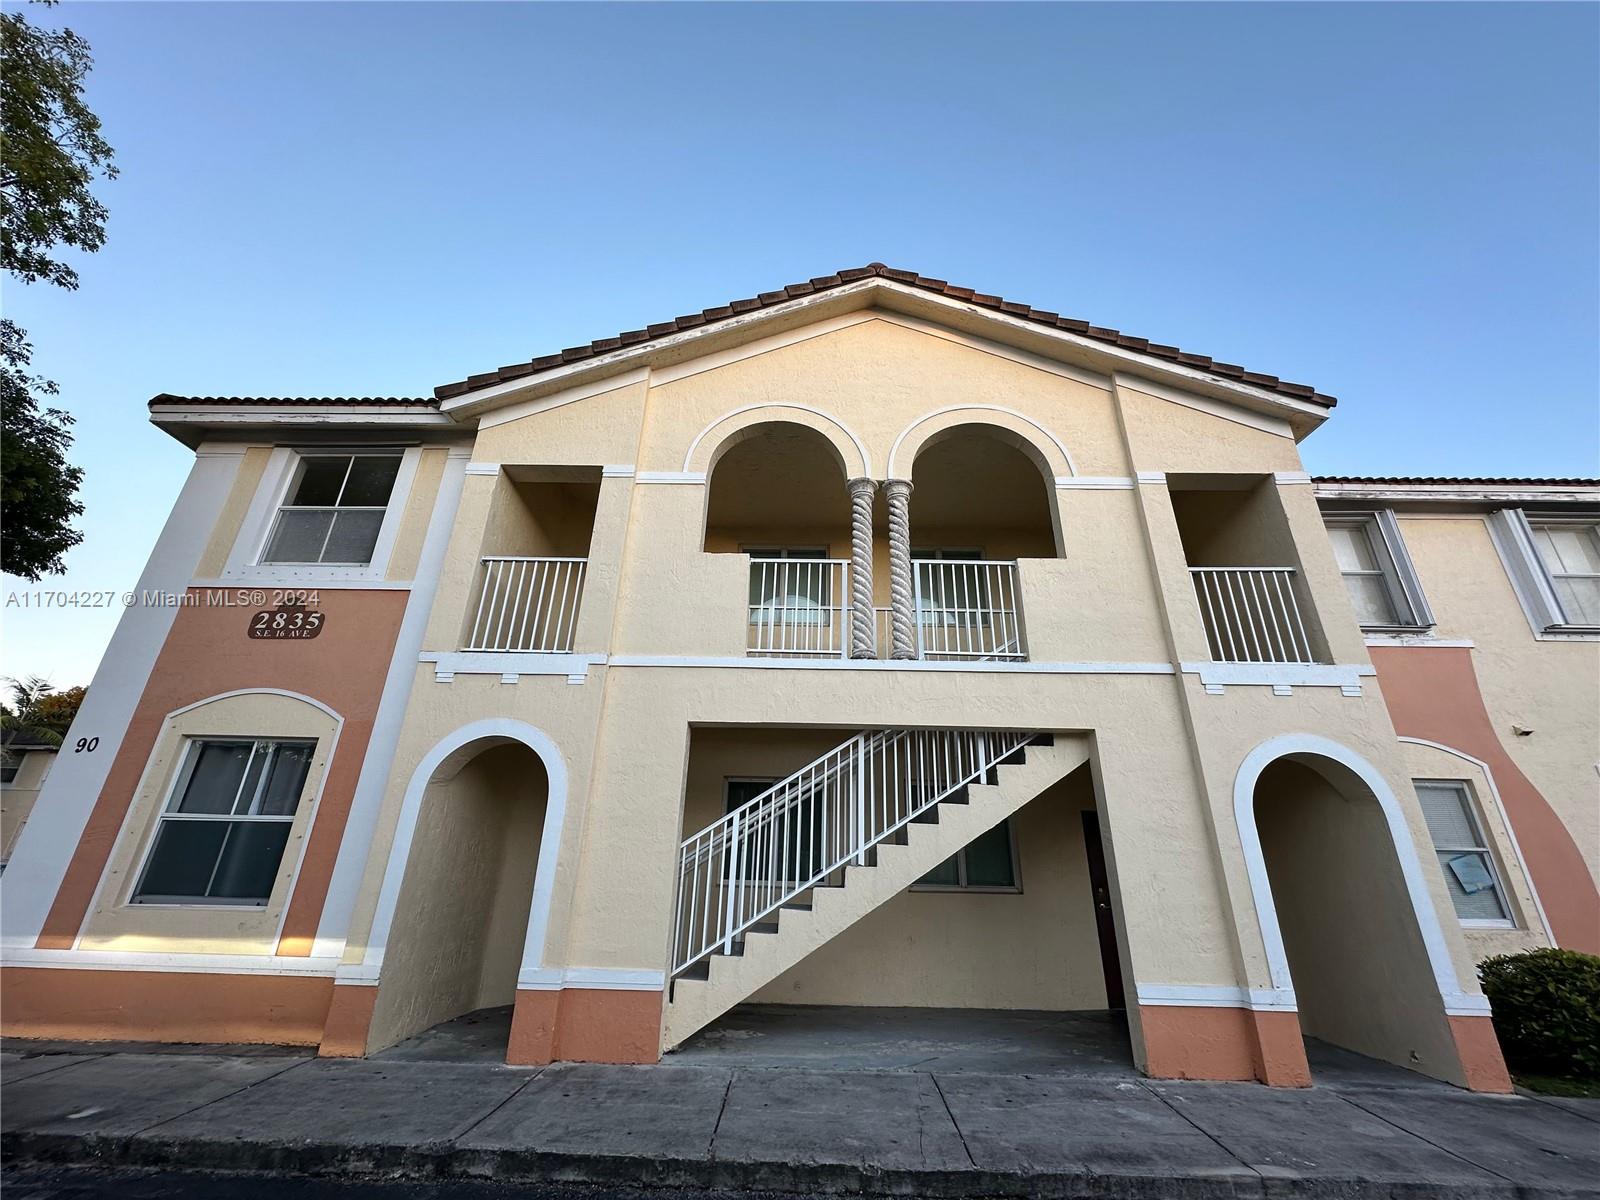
(906, 799)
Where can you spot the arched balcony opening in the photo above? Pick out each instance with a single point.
(982, 498)
(778, 494)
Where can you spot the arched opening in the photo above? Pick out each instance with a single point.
(1363, 974)
(777, 492)
(983, 488)
(982, 497)
(460, 924)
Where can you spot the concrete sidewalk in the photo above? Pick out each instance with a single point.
(729, 1127)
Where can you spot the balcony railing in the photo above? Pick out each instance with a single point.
(528, 604)
(800, 608)
(967, 610)
(1251, 614)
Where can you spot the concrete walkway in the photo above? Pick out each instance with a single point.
(728, 1126)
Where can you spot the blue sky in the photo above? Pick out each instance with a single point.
(1394, 203)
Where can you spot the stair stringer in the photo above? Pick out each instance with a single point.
(732, 978)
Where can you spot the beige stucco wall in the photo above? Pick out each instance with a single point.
(229, 521)
(462, 910)
(1032, 949)
(1361, 974)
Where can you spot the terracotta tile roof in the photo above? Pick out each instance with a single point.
(1201, 362)
(1453, 480)
(293, 401)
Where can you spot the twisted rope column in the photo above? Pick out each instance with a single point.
(902, 595)
(863, 639)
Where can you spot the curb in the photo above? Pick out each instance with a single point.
(441, 1162)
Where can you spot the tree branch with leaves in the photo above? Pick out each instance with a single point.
(51, 151)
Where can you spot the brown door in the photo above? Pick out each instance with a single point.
(1104, 920)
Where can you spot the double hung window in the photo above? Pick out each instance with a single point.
(1464, 857)
(334, 509)
(221, 837)
(1377, 571)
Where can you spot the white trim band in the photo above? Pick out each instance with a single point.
(605, 979)
(1188, 995)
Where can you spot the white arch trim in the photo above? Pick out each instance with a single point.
(861, 447)
(1456, 1002)
(255, 691)
(1505, 820)
(894, 450)
(493, 729)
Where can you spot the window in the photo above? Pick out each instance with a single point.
(789, 585)
(335, 508)
(1554, 564)
(1570, 553)
(8, 767)
(987, 863)
(1377, 571)
(222, 835)
(1464, 857)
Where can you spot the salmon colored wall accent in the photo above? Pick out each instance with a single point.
(1182, 1042)
(585, 1025)
(533, 1028)
(349, 1019)
(1481, 1060)
(1280, 1058)
(208, 653)
(1433, 693)
(163, 1006)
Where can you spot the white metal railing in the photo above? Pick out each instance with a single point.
(967, 609)
(799, 607)
(528, 604)
(824, 816)
(1251, 614)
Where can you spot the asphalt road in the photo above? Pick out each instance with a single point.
(76, 1183)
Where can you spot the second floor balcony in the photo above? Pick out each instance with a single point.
(802, 607)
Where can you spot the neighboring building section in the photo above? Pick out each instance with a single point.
(872, 641)
(1492, 676)
(24, 765)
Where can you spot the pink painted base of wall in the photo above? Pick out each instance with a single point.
(585, 1025)
(1481, 1060)
(163, 1006)
(1183, 1042)
(571, 1025)
(349, 1021)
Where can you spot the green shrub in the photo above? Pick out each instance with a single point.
(1546, 1010)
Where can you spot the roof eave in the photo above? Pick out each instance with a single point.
(1509, 492)
(876, 291)
(193, 424)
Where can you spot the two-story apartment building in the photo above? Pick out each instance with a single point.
(868, 642)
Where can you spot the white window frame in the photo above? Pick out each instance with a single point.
(175, 794)
(272, 494)
(1474, 813)
(961, 885)
(1512, 533)
(1394, 564)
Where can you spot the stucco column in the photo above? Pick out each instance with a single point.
(863, 640)
(902, 594)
